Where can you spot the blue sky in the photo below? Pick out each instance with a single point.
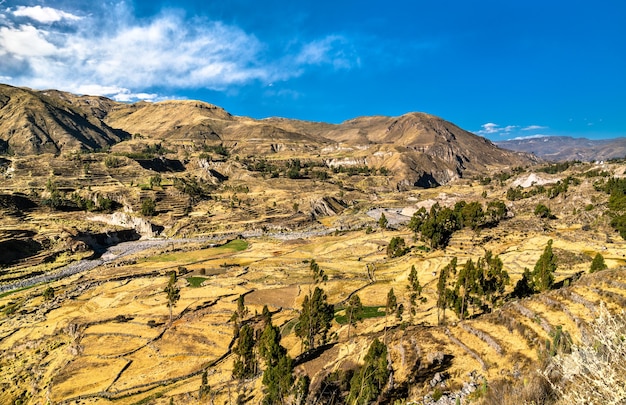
(502, 69)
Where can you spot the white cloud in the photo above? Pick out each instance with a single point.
(44, 14)
(538, 136)
(496, 130)
(489, 128)
(533, 128)
(25, 41)
(117, 55)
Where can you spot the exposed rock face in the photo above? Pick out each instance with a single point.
(142, 226)
(327, 206)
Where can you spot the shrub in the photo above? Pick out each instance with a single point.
(113, 162)
(597, 264)
(48, 294)
(148, 207)
(543, 212)
(397, 247)
(595, 371)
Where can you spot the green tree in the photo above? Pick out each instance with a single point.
(239, 314)
(415, 290)
(543, 212)
(496, 212)
(524, 287)
(315, 319)
(155, 180)
(473, 215)
(383, 222)
(467, 286)
(245, 362)
(417, 220)
(173, 292)
(55, 200)
(543, 273)
(278, 375)
(597, 263)
(443, 293)
(494, 278)
(369, 381)
(318, 273)
(397, 247)
(148, 207)
(354, 312)
(391, 307)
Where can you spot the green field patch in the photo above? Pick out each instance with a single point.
(236, 245)
(189, 257)
(195, 281)
(368, 312)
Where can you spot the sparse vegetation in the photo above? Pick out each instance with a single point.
(597, 264)
(394, 290)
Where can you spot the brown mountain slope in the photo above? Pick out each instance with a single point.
(34, 122)
(419, 149)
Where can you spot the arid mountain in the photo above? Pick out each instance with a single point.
(562, 148)
(419, 149)
(33, 122)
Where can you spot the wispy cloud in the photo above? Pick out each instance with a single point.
(533, 128)
(126, 58)
(494, 130)
(333, 49)
(538, 136)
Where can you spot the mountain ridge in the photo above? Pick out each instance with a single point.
(421, 149)
(562, 148)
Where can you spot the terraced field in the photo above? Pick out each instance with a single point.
(105, 335)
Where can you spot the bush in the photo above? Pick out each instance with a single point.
(597, 264)
(543, 212)
(397, 247)
(148, 207)
(113, 162)
(595, 371)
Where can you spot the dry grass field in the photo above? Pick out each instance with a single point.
(106, 337)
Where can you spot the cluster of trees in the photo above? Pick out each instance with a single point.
(297, 169)
(477, 284)
(217, 149)
(541, 278)
(437, 225)
(61, 201)
(616, 187)
(257, 345)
